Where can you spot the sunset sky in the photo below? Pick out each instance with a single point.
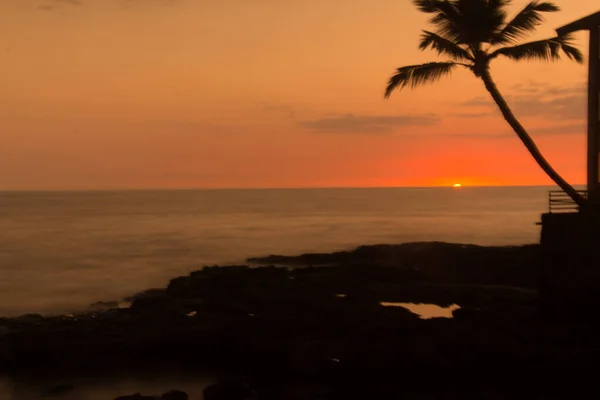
(112, 94)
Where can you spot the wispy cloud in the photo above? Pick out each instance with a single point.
(542, 88)
(472, 115)
(71, 2)
(21, 117)
(543, 100)
(477, 135)
(350, 123)
(568, 129)
(54, 5)
(130, 3)
(287, 111)
(507, 133)
(47, 7)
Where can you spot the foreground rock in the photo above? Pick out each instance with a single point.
(170, 395)
(136, 396)
(229, 390)
(306, 332)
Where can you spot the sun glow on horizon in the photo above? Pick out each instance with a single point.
(457, 185)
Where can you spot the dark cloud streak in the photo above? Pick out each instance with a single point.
(47, 7)
(55, 5)
(541, 100)
(472, 115)
(67, 2)
(128, 3)
(570, 129)
(287, 111)
(350, 123)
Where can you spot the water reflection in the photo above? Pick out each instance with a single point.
(425, 311)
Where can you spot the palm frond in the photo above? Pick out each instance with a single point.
(469, 22)
(449, 22)
(543, 50)
(427, 6)
(567, 46)
(481, 19)
(496, 16)
(444, 46)
(524, 22)
(415, 75)
(446, 17)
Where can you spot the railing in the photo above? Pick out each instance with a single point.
(559, 201)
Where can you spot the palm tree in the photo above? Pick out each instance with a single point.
(472, 33)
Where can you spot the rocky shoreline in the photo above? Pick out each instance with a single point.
(312, 326)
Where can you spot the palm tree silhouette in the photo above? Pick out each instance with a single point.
(472, 33)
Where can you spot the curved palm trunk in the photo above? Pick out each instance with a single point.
(527, 141)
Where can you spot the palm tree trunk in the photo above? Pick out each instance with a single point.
(528, 141)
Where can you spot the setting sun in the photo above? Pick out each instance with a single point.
(457, 185)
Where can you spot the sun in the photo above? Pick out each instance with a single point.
(457, 185)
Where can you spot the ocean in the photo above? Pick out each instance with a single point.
(62, 251)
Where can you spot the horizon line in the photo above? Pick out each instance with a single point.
(450, 186)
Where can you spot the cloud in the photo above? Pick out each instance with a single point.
(562, 108)
(569, 129)
(472, 115)
(128, 3)
(47, 7)
(542, 88)
(507, 133)
(472, 135)
(20, 117)
(54, 5)
(350, 123)
(287, 111)
(71, 2)
(479, 101)
(542, 100)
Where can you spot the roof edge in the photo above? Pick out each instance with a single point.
(585, 23)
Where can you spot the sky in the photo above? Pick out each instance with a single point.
(136, 94)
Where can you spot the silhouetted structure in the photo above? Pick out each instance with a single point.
(591, 23)
(570, 241)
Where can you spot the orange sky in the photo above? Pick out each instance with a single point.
(263, 93)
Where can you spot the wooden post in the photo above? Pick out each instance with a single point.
(591, 23)
(593, 173)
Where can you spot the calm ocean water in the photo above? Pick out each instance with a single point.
(61, 251)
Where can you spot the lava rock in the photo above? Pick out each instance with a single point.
(229, 390)
(174, 395)
(136, 396)
(152, 300)
(57, 390)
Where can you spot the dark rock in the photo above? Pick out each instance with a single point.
(440, 261)
(467, 313)
(103, 306)
(174, 395)
(29, 319)
(57, 390)
(229, 390)
(183, 286)
(136, 396)
(154, 299)
(325, 325)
